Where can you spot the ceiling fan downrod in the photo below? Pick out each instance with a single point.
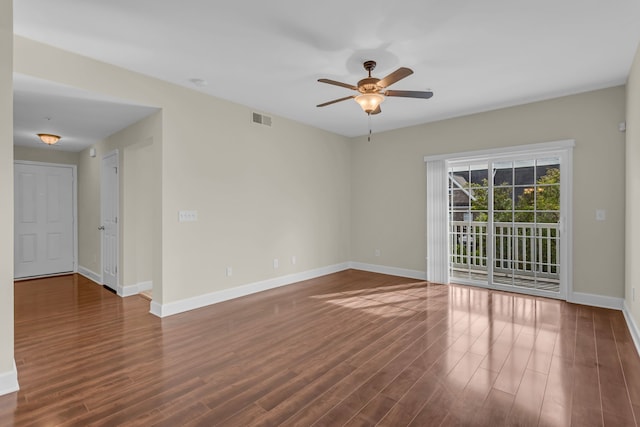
(369, 66)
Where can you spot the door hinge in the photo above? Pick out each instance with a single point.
(116, 169)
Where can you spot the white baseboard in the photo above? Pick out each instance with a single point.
(156, 309)
(393, 271)
(175, 307)
(596, 300)
(164, 310)
(9, 381)
(633, 327)
(128, 290)
(90, 275)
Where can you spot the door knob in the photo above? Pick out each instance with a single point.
(101, 228)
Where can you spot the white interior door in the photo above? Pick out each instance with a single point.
(44, 233)
(109, 227)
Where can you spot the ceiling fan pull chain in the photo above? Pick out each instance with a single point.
(369, 137)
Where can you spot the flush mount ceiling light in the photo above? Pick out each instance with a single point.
(372, 90)
(48, 138)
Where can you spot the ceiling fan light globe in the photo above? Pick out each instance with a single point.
(369, 101)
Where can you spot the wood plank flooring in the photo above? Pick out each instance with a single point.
(352, 348)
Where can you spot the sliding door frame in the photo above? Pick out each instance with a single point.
(438, 218)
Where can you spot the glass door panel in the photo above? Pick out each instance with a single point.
(504, 218)
(468, 213)
(527, 237)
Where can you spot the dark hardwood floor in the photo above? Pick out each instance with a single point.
(352, 348)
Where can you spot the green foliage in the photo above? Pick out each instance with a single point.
(539, 203)
(543, 198)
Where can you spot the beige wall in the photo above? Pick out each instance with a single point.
(137, 219)
(138, 213)
(45, 155)
(261, 193)
(633, 190)
(89, 211)
(389, 184)
(6, 186)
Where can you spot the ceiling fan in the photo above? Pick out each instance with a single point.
(372, 91)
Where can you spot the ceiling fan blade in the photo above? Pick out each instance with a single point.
(336, 100)
(377, 110)
(409, 94)
(335, 83)
(398, 74)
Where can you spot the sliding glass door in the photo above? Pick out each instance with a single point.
(504, 222)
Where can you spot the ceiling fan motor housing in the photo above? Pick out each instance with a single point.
(368, 85)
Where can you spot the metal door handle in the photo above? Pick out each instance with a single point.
(101, 228)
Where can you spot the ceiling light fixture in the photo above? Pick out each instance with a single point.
(373, 90)
(48, 138)
(369, 101)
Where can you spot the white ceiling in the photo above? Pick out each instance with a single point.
(81, 118)
(268, 55)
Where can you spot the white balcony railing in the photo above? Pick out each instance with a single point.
(519, 249)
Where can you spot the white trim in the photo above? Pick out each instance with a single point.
(392, 271)
(129, 290)
(180, 306)
(155, 308)
(74, 197)
(505, 151)
(566, 209)
(631, 324)
(595, 300)
(91, 275)
(9, 381)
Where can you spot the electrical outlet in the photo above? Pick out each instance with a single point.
(229, 271)
(276, 263)
(293, 260)
(187, 216)
(377, 252)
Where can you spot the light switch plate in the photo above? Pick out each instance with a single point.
(601, 215)
(187, 216)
